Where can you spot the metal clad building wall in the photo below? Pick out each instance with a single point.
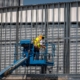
(41, 12)
(6, 3)
(35, 18)
(60, 21)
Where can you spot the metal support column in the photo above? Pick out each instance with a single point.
(44, 68)
(64, 65)
(66, 41)
(17, 29)
(1, 39)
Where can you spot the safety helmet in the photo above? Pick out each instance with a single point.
(41, 36)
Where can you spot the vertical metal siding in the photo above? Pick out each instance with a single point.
(6, 3)
(60, 24)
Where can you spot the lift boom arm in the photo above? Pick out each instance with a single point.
(11, 68)
(27, 58)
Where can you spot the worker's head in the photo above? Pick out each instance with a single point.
(41, 37)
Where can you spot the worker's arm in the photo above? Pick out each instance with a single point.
(43, 46)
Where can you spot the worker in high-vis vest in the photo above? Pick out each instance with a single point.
(37, 45)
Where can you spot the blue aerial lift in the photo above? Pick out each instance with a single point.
(27, 58)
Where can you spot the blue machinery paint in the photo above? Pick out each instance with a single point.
(27, 58)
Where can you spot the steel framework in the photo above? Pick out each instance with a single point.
(60, 22)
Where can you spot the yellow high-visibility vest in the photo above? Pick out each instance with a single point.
(37, 41)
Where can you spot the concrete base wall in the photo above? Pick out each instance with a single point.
(11, 77)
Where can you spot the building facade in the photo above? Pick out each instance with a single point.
(60, 22)
(7, 3)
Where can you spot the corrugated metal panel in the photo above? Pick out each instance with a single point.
(73, 16)
(34, 19)
(5, 3)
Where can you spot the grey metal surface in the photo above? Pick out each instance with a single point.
(56, 21)
(6, 3)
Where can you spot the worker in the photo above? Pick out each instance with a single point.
(37, 45)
